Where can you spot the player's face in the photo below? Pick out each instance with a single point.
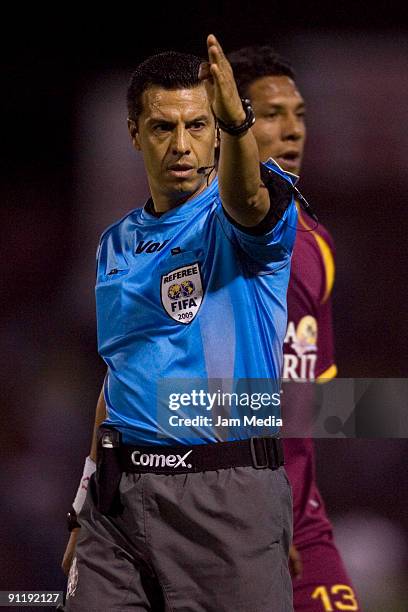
(176, 134)
(280, 120)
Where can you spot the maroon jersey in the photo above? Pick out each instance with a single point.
(308, 355)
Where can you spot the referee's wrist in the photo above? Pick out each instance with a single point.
(239, 121)
(239, 127)
(72, 520)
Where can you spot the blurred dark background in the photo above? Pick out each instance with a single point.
(68, 171)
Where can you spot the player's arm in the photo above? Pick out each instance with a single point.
(100, 416)
(242, 192)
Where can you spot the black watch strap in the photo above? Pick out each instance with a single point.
(237, 130)
(72, 520)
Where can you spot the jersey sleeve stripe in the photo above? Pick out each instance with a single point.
(328, 261)
(328, 374)
(327, 256)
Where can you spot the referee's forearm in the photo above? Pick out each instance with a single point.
(100, 416)
(242, 195)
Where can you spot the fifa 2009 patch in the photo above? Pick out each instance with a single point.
(182, 292)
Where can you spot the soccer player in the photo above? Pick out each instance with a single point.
(280, 131)
(189, 519)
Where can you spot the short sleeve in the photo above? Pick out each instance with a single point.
(272, 249)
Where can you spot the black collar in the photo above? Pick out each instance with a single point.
(149, 207)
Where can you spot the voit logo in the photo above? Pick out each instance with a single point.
(182, 293)
(300, 349)
(155, 460)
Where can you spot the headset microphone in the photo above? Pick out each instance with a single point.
(202, 169)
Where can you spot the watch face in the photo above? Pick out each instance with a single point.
(72, 520)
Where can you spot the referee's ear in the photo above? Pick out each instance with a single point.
(132, 127)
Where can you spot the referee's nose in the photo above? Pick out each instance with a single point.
(181, 141)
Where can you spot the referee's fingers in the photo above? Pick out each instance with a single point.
(213, 42)
(204, 71)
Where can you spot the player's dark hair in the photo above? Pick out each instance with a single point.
(170, 70)
(255, 62)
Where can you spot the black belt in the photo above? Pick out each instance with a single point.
(259, 452)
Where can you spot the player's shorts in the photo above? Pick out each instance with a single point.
(212, 541)
(324, 584)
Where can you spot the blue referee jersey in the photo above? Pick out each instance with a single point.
(187, 302)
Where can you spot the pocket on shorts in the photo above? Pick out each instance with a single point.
(286, 502)
(279, 495)
(285, 476)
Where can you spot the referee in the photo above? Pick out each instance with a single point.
(189, 509)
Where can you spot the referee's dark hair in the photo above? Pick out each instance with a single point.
(170, 70)
(257, 61)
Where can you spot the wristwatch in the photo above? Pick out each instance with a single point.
(237, 130)
(72, 521)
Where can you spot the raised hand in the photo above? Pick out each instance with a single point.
(220, 84)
